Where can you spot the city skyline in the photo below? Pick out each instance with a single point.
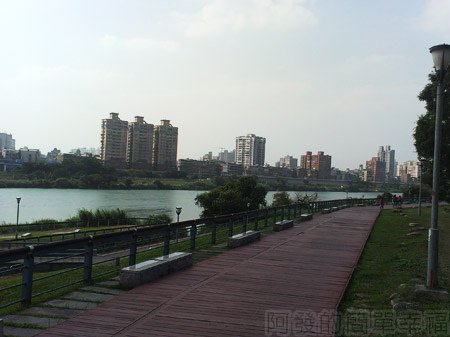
(342, 77)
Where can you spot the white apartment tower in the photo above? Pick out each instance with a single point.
(165, 144)
(140, 144)
(250, 150)
(113, 149)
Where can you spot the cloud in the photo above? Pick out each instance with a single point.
(140, 44)
(221, 16)
(435, 16)
(144, 44)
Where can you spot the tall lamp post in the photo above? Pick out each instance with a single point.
(178, 209)
(419, 210)
(441, 60)
(17, 220)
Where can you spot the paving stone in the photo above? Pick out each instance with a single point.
(110, 283)
(88, 297)
(71, 304)
(102, 290)
(51, 312)
(20, 332)
(44, 322)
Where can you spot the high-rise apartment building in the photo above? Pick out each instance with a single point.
(140, 144)
(250, 150)
(7, 142)
(375, 170)
(165, 144)
(387, 156)
(227, 156)
(317, 166)
(288, 162)
(114, 141)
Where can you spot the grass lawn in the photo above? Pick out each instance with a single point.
(393, 262)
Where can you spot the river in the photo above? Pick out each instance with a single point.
(61, 204)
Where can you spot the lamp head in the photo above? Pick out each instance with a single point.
(441, 57)
(18, 199)
(178, 209)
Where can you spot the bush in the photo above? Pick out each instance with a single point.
(158, 219)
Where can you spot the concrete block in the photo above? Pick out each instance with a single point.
(282, 225)
(326, 211)
(243, 239)
(306, 216)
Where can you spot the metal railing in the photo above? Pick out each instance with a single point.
(31, 273)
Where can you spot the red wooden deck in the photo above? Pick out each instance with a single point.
(268, 288)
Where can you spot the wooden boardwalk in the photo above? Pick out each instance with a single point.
(254, 290)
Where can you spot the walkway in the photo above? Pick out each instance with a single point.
(250, 291)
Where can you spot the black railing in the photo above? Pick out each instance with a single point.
(35, 271)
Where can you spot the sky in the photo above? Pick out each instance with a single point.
(308, 75)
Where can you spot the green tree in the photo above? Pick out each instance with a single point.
(281, 199)
(235, 196)
(424, 133)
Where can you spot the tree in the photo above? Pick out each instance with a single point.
(232, 197)
(281, 199)
(424, 134)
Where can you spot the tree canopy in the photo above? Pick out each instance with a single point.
(281, 198)
(234, 196)
(424, 133)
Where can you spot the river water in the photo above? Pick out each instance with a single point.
(61, 204)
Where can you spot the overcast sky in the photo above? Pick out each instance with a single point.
(336, 76)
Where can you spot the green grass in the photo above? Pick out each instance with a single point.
(392, 258)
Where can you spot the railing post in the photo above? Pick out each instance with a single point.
(166, 248)
(133, 249)
(282, 213)
(27, 277)
(193, 235)
(256, 219)
(275, 214)
(244, 223)
(230, 228)
(213, 233)
(88, 257)
(266, 217)
(289, 212)
(295, 210)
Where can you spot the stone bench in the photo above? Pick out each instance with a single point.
(360, 205)
(334, 209)
(306, 217)
(282, 225)
(150, 270)
(326, 211)
(243, 239)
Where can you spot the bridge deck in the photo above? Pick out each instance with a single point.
(243, 291)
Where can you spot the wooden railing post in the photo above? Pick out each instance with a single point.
(213, 233)
(166, 247)
(27, 277)
(133, 249)
(88, 257)
(230, 227)
(193, 235)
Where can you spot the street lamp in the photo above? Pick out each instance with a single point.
(441, 60)
(17, 222)
(178, 209)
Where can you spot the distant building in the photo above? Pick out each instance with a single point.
(27, 155)
(250, 150)
(140, 144)
(317, 166)
(408, 171)
(387, 156)
(288, 162)
(165, 146)
(375, 170)
(113, 149)
(53, 156)
(227, 156)
(199, 168)
(231, 169)
(7, 142)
